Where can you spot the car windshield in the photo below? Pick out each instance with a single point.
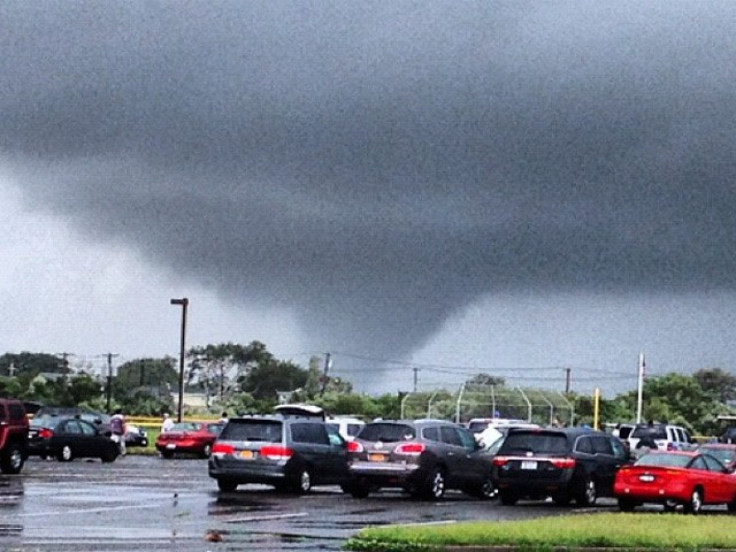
(252, 430)
(665, 460)
(386, 432)
(536, 442)
(724, 455)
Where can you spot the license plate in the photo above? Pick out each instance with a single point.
(646, 478)
(377, 457)
(247, 454)
(171, 446)
(528, 465)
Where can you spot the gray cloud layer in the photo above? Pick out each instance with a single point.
(379, 166)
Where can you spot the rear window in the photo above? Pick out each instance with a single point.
(387, 433)
(537, 442)
(662, 459)
(651, 432)
(252, 430)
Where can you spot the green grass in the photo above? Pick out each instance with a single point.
(675, 532)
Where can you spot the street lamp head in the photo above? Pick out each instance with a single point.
(183, 301)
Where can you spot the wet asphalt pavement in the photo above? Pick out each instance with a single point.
(147, 503)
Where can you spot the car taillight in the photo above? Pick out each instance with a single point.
(413, 449)
(222, 448)
(354, 447)
(276, 452)
(45, 433)
(500, 461)
(563, 463)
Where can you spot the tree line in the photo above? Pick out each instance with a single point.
(249, 379)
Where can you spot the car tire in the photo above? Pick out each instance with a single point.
(487, 490)
(226, 485)
(695, 504)
(206, 451)
(507, 497)
(587, 494)
(65, 454)
(626, 505)
(109, 456)
(434, 485)
(12, 459)
(167, 454)
(732, 505)
(302, 484)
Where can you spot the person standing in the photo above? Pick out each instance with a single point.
(223, 417)
(117, 427)
(167, 424)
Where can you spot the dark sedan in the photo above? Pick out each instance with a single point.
(135, 436)
(68, 438)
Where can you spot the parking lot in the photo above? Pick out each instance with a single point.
(147, 503)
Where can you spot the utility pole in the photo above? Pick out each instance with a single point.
(184, 303)
(640, 386)
(567, 380)
(109, 379)
(416, 378)
(324, 376)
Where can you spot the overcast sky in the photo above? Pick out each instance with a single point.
(459, 187)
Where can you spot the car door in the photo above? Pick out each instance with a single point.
(71, 435)
(606, 462)
(721, 487)
(311, 441)
(460, 467)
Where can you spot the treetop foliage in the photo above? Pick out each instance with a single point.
(248, 378)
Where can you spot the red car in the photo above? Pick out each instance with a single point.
(687, 478)
(189, 437)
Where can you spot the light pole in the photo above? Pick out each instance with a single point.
(184, 304)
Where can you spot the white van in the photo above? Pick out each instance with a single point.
(347, 427)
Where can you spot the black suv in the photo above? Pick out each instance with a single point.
(289, 452)
(13, 435)
(567, 464)
(423, 457)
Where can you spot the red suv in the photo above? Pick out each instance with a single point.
(13, 435)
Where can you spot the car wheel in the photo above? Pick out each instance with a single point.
(109, 456)
(508, 498)
(226, 485)
(626, 505)
(732, 505)
(12, 459)
(587, 495)
(434, 486)
(695, 504)
(486, 490)
(167, 454)
(303, 482)
(206, 451)
(65, 454)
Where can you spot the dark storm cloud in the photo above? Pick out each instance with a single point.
(379, 166)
